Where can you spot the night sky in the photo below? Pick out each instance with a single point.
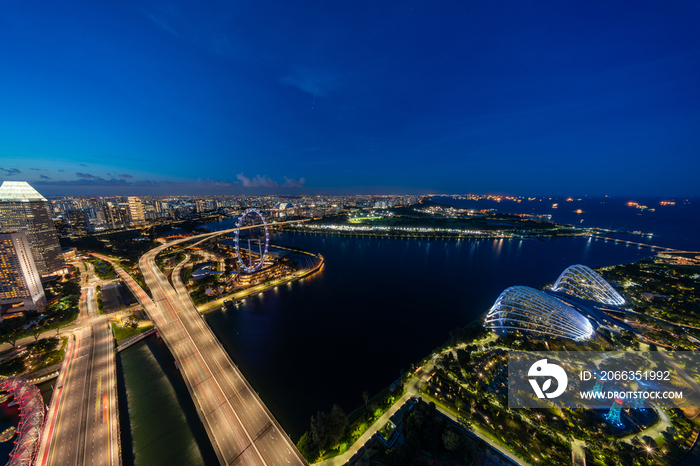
(528, 98)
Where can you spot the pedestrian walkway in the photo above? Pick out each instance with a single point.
(381, 422)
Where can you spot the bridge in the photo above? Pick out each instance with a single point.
(632, 243)
(241, 428)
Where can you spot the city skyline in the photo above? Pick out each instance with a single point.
(160, 295)
(337, 99)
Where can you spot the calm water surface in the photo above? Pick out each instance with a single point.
(376, 306)
(158, 420)
(673, 226)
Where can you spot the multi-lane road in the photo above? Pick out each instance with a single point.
(82, 423)
(81, 427)
(240, 427)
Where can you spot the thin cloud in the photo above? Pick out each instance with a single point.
(215, 183)
(87, 180)
(160, 23)
(315, 82)
(96, 181)
(91, 180)
(267, 182)
(61, 171)
(257, 182)
(10, 171)
(125, 175)
(37, 169)
(83, 165)
(292, 183)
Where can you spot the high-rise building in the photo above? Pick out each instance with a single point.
(136, 210)
(79, 222)
(100, 216)
(124, 213)
(117, 215)
(23, 209)
(108, 211)
(199, 205)
(62, 227)
(20, 284)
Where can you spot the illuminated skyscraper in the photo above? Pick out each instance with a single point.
(20, 284)
(124, 213)
(22, 209)
(79, 223)
(109, 214)
(199, 205)
(117, 215)
(136, 210)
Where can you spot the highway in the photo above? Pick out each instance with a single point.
(101, 439)
(176, 278)
(82, 423)
(239, 425)
(81, 427)
(89, 281)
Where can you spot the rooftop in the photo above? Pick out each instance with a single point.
(19, 191)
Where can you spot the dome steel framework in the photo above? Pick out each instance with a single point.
(250, 268)
(527, 310)
(585, 283)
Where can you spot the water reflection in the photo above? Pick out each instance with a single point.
(159, 423)
(377, 306)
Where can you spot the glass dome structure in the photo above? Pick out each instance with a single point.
(521, 309)
(585, 283)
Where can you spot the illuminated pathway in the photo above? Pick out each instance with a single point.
(240, 427)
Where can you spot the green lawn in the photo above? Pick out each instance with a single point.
(124, 333)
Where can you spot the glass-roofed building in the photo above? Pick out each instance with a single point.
(585, 283)
(527, 311)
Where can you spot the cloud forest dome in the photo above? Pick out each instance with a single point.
(585, 283)
(527, 310)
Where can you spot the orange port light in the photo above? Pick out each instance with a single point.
(578, 211)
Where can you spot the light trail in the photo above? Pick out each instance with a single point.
(240, 427)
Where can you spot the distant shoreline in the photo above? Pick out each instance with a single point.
(401, 235)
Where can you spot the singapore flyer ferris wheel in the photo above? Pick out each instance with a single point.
(251, 228)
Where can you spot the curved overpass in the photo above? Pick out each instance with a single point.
(240, 427)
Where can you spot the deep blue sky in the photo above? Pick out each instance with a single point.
(351, 96)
